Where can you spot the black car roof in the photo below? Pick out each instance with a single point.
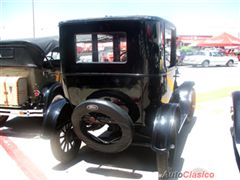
(41, 45)
(115, 18)
(38, 48)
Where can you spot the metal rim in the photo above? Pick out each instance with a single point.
(66, 137)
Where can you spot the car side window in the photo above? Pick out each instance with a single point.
(6, 53)
(168, 46)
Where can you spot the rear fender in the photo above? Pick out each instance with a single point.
(49, 92)
(58, 112)
(164, 127)
(182, 96)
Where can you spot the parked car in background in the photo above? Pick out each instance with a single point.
(210, 58)
(29, 77)
(131, 98)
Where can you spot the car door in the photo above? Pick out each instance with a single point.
(222, 59)
(213, 58)
(217, 58)
(169, 63)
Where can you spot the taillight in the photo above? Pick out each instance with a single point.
(36, 91)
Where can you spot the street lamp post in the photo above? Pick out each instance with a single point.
(33, 18)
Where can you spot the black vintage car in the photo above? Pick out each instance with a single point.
(119, 79)
(29, 77)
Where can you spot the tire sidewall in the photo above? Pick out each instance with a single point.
(230, 63)
(117, 114)
(133, 110)
(205, 63)
(56, 146)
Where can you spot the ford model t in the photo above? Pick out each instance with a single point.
(29, 77)
(119, 79)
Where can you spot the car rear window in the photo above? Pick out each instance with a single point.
(108, 47)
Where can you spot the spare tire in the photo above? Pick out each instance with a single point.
(133, 110)
(115, 125)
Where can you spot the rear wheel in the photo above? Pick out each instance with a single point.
(162, 164)
(64, 143)
(230, 63)
(205, 63)
(165, 160)
(3, 119)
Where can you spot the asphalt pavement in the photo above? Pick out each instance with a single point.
(205, 146)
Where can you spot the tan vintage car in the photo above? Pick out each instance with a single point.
(29, 77)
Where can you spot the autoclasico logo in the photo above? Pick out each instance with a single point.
(196, 173)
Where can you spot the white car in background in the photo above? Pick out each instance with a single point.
(210, 58)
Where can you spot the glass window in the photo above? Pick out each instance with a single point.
(6, 53)
(160, 39)
(168, 46)
(52, 56)
(101, 48)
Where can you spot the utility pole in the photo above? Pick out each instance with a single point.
(33, 18)
(1, 17)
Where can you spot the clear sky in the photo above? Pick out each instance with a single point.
(191, 17)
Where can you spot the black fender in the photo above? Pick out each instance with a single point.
(58, 112)
(133, 109)
(117, 116)
(183, 96)
(49, 92)
(236, 115)
(165, 127)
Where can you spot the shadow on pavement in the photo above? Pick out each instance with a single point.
(123, 164)
(126, 164)
(22, 127)
(133, 159)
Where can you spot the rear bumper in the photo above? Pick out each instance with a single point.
(22, 112)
